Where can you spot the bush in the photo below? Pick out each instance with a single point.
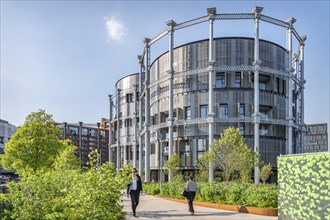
(262, 195)
(69, 194)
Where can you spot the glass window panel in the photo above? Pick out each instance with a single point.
(203, 111)
(223, 110)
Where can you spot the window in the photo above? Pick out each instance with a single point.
(237, 79)
(188, 112)
(128, 122)
(241, 128)
(84, 131)
(277, 84)
(92, 132)
(129, 97)
(201, 147)
(262, 85)
(241, 110)
(73, 130)
(223, 110)
(263, 130)
(203, 111)
(1, 140)
(220, 80)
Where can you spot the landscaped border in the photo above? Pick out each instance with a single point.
(235, 208)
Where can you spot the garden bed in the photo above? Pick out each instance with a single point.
(235, 208)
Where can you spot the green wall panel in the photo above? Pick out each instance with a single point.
(304, 186)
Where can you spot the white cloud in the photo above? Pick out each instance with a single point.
(116, 29)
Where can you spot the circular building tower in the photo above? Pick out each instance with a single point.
(186, 97)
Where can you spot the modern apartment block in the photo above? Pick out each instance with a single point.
(6, 132)
(316, 138)
(87, 137)
(186, 97)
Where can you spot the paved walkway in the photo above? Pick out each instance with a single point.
(151, 207)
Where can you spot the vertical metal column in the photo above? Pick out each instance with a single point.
(140, 117)
(135, 125)
(169, 120)
(64, 130)
(289, 92)
(125, 153)
(302, 82)
(118, 132)
(256, 65)
(147, 112)
(80, 141)
(99, 149)
(211, 13)
(110, 129)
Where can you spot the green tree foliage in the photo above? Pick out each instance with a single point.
(245, 162)
(173, 165)
(265, 172)
(58, 188)
(230, 153)
(68, 194)
(66, 160)
(34, 146)
(203, 164)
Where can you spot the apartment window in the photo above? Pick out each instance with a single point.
(237, 79)
(241, 110)
(262, 85)
(201, 147)
(220, 80)
(128, 122)
(1, 140)
(241, 128)
(93, 132)
(277, 86)
(188, 112)
(263, 130)
(203, 111)
(84, 131)
(129, 97)
(223, 110)
(73, 130)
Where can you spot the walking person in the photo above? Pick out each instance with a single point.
(191, 188)
(134, 188)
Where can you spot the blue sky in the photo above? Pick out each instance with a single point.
(66, 56)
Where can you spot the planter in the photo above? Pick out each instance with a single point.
(235, 208)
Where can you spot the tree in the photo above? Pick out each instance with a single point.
(245, 163)
(230, 153)
(34, 146)
(203, 165)
(265, 172)
(67, 160)
(173, 165)
(61, 193)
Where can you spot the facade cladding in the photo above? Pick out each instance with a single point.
(316, 138)
(143, 122)
(6, 131)
(87, 137)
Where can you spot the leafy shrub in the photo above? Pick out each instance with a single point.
(231, 193)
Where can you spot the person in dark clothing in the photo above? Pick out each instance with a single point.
(134, 188)
(191, 188)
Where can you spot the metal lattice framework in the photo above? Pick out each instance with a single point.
(293, 75)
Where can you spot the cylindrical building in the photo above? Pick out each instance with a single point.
(180, 84)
